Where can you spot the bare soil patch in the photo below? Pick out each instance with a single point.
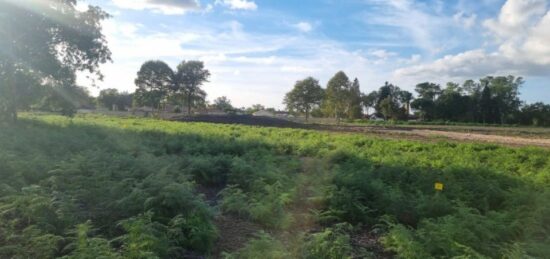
(422, 133)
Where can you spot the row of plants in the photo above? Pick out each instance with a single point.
(127, 187)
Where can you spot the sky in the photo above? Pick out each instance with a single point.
(257, 49)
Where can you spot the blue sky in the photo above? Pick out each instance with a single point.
(257, 49)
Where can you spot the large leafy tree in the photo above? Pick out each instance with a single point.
(536, 114)
(223, 103)
(305, 95)
(113, 99)
(154, 81)
(49, 40)
(427, 90)
(425, 103)
(19, 93)
(487, 105)
(354, 101)
(452, 105)
(388, 94)
(369, 100)
(405, 97)
(188, 79)
(389, 108)
(505, 90)
(65, 99)
(337, 92)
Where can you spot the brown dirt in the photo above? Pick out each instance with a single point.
(461, 134)
(234, 232)
(426, 134)
(368, 240)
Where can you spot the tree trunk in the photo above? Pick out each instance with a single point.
(10, 71)
(14, 115)
(189, 104)
(307, 114)
(182, 109)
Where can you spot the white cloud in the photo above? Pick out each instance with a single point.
(422, 26)
(168, 7)
(382, 53)
(238, 4)
(248, 68)
(304, 26)
(515, 17)
(467, 21)
(522, 41)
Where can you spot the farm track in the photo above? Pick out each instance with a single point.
(509, 137)
(434, 135)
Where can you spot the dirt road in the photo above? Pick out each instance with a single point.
(462, 134)
(471, 137)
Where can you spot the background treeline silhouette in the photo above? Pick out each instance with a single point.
(490, 100)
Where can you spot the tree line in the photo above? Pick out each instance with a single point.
(42, 52)
(490, 100)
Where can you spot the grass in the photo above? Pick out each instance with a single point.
(127, 187)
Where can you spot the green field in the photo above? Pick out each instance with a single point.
(107, 187)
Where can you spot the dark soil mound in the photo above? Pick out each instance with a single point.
(243, 119)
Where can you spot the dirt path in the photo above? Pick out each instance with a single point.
(473, 137)
(428, 134)
(307, 196)
(534, 137)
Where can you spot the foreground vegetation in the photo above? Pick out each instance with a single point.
(108, 187)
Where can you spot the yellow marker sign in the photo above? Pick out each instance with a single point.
(439, 186)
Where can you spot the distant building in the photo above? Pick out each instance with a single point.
(264, 113)
(374, 117)
(211, 111)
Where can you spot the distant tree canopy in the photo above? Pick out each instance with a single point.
(354, 109)
(188, 79)
(43, 44)
(369, 100)
(306, 95)
(113, 100)
(65, 99)
(490, 100)
(158, 84)
(537, 114)
(254, 108)
(222, 103)
(154, 81)
(335, 102)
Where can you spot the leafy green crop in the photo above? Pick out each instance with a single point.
(105, 187)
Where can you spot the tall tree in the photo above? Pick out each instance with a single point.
(49, 39)
(425, 103)
(451, 104)
(428, 90)
(337, 92)
(391, 93)
(305, 95)
(536, 114)
(486, 105)
(505, 91)
(28, 90)
(389, 108)
(354, 101)
(223, 103)
(405, 97)
(108, 98)
(369, 100)
(113, 100)
(189, 77)
(154, 81)
(473, 90)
